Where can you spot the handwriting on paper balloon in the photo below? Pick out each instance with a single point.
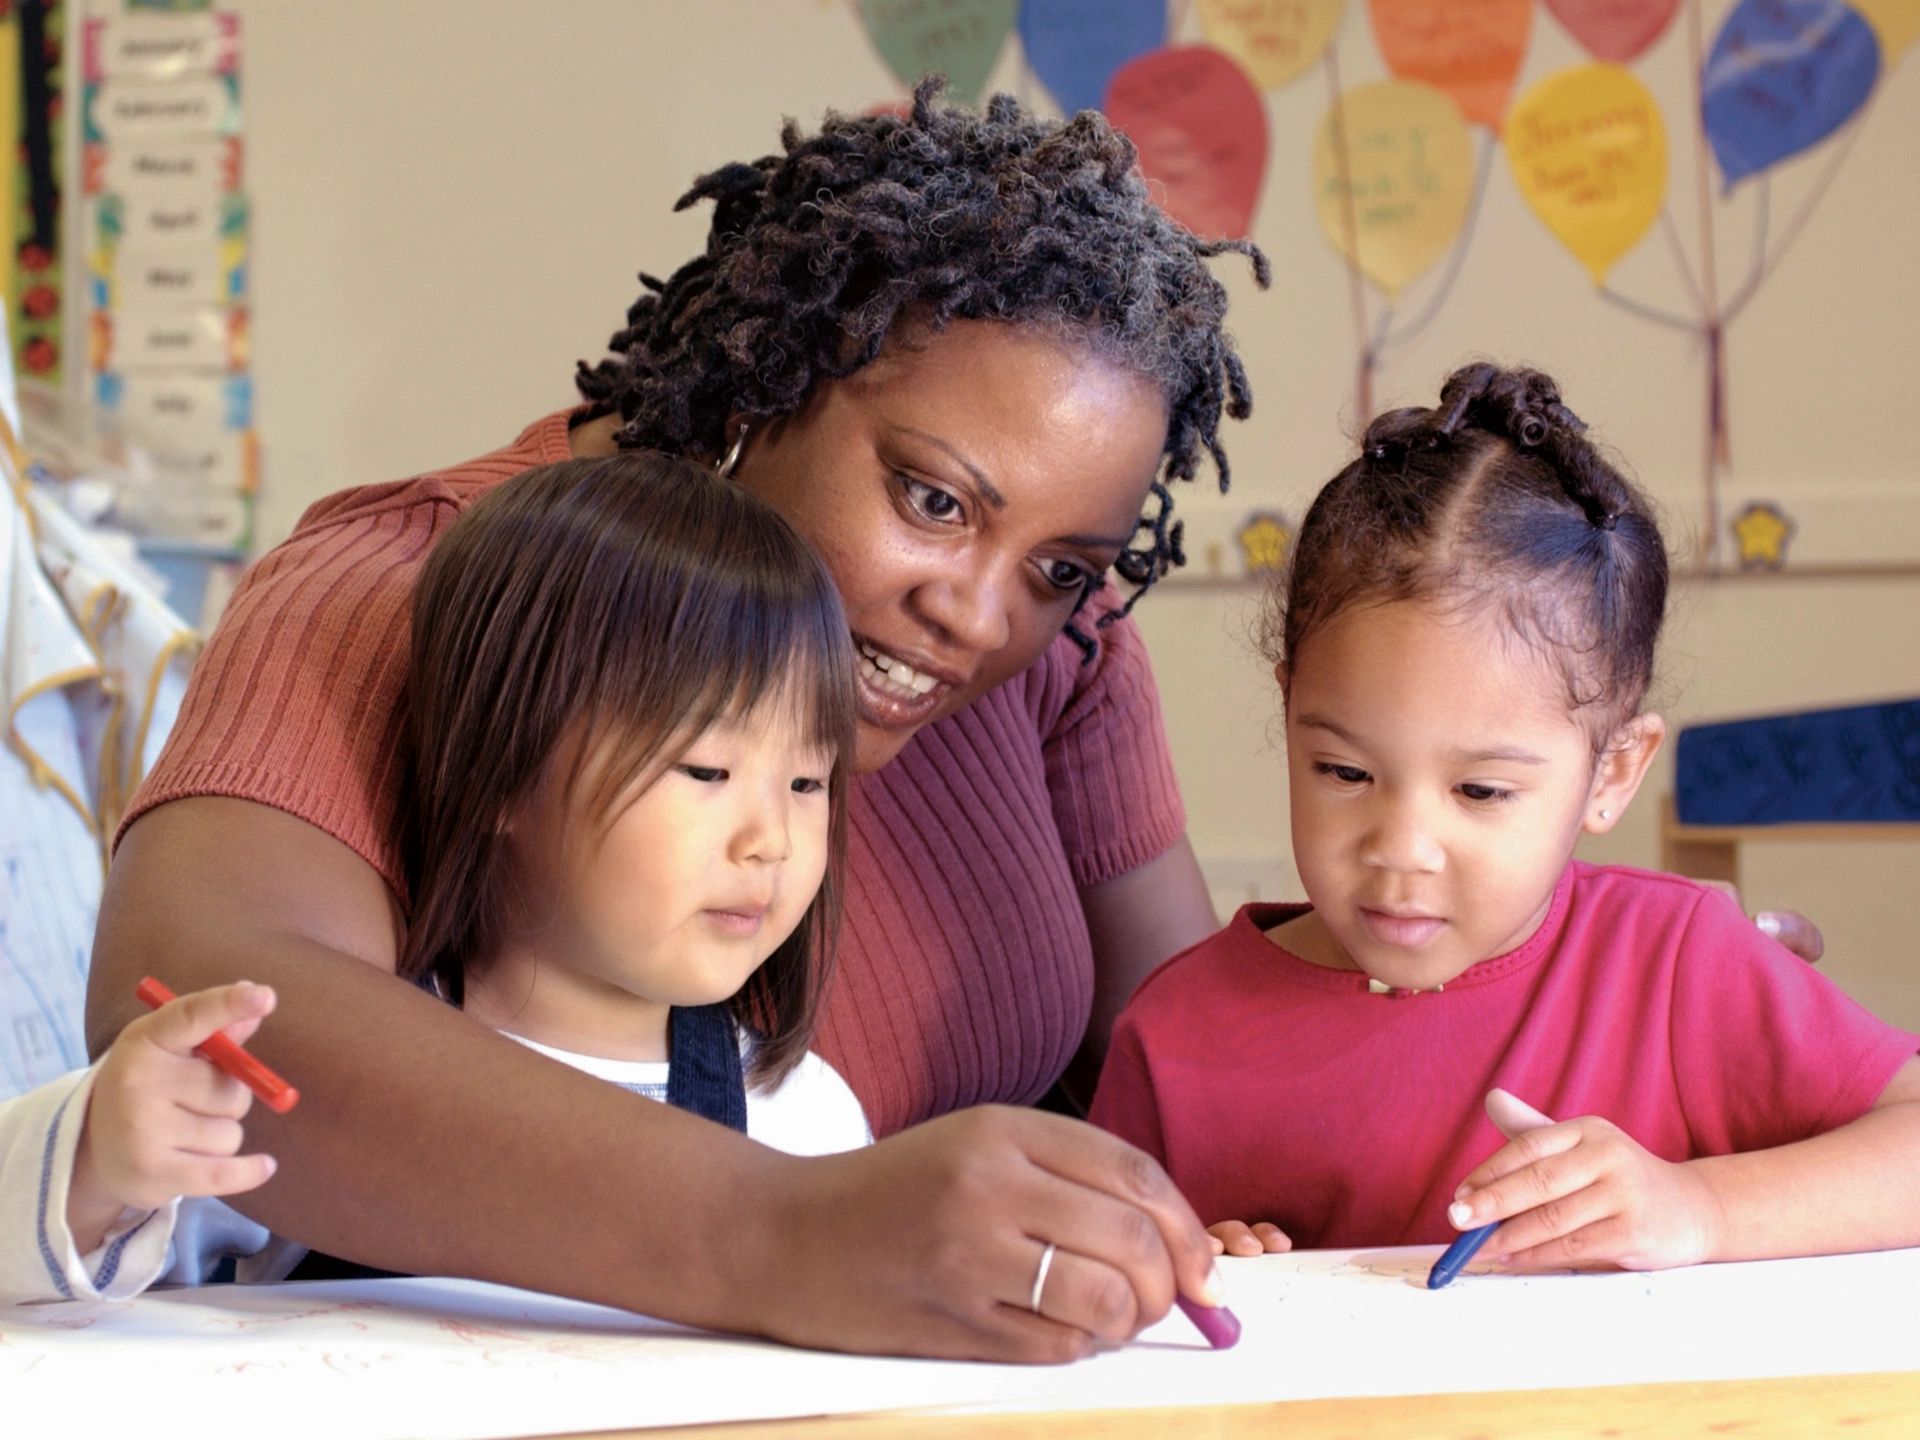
(1470, 51)
(1075, 46)
(1392, 176)
(959, 38)
(1273, 39)
(1781, 77)
(1589, 154)
(1202, 134)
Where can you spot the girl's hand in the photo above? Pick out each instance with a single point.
(1583, 1193)
(1236, 1237)
(161, 1121)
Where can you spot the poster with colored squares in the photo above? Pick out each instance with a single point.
(32, 71)
(1429, 103)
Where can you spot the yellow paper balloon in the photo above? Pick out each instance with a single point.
(1589, 153)
(1274, 40)
(1896, 24)
(1393, 196)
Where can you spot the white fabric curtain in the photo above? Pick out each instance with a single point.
(93, 665)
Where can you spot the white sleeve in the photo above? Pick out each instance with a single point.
(209, 1231)
(39, 1136)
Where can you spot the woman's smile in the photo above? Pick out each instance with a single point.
(896, 693)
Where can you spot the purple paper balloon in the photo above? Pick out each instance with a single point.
(1074, 46)
(1783, 75)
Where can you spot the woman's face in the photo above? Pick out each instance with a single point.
(961, 489)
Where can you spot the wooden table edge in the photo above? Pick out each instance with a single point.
(1882, 1406)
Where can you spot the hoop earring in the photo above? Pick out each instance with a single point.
(731, 460)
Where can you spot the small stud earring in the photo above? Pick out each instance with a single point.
(1606, 814)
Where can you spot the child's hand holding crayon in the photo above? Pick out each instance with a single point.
(162, 1121)
(1583, 1192)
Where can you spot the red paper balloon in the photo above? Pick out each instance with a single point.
(1616, 30)
(1201, 129)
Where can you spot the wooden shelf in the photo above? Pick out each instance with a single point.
(1712, 852)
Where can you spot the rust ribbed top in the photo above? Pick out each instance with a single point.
(966, 973)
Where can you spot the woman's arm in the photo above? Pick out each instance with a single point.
(1137, 921)
(425, 1143)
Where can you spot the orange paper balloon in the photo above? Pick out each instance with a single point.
(1471, 49)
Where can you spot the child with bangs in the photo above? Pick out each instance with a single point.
(1465, 1026)
(630, 711)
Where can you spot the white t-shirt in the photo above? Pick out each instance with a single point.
(811, 1112)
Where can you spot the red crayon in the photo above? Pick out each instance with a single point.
(274, 1092)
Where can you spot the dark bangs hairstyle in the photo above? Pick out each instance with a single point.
(589, 614)
(1494, 496)
(815, 255)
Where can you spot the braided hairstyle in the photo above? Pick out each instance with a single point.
(1494, 495)
(943, 214)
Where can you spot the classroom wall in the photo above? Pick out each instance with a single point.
(451, 198)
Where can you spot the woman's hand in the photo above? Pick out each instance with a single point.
(163, 1122)
(1583, 1193)
(1236, 1237)
(931, 1242)
(1789, 927)
(1793, 930)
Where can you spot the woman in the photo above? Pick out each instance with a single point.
(960, 352)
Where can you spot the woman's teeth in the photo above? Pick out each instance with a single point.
(895, 676)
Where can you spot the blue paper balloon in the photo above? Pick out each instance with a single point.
(1074, 46)
(1784, 75)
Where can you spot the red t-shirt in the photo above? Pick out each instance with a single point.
(1275, 1089)
(966, 971)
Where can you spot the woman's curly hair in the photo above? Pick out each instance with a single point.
(939, 215)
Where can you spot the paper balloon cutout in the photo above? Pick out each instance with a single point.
(1471, 49)
(1589, 153)
(1394, 201)
(959, 38)
(1616, 30)
(1896, 24)
(1201, 130)
(1074, 46)
(1274, 39)
(1782, 76)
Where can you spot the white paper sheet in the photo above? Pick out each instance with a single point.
(444, 1358)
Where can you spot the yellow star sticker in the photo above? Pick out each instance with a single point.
(1763, 530)
(1263, 542)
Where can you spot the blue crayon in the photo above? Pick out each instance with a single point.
(1458, 1254)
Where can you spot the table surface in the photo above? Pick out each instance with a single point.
(1863, 1407)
